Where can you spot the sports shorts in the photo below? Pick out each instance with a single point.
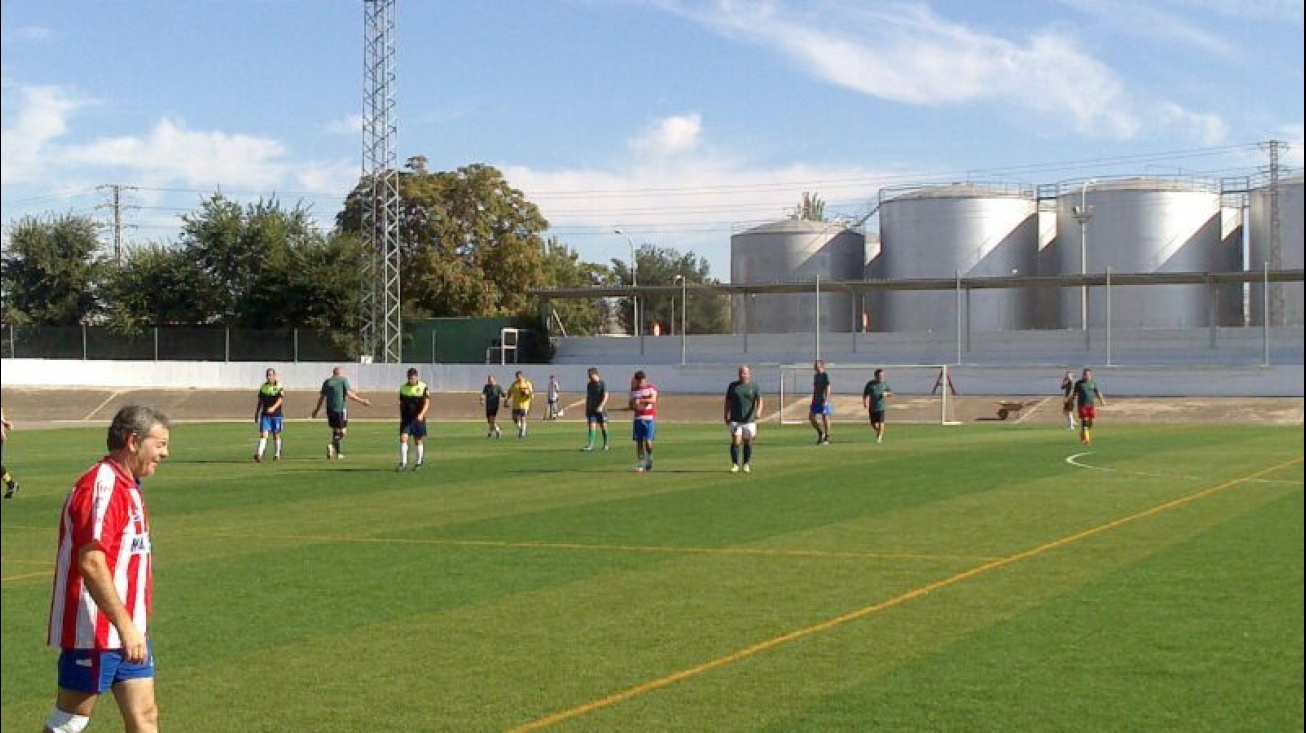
(95, 671)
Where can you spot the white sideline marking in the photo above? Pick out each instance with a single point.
(1026, 414)
(1074, 461)
(100, 406)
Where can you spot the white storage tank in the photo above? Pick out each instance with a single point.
(1146, 225)
(966, 229)
(795, 251)
(1285, 298)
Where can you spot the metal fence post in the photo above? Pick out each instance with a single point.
(1265, 315)
(85, 348)
(958, 298)
(1108, 315)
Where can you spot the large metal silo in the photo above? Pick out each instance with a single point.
(945, 231)
(795, 251)
(1285, 299)
(1145, 225)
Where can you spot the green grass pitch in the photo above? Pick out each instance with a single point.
(976, 578)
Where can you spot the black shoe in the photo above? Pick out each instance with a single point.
(13, 489)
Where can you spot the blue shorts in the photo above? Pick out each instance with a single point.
(645, 430)
(596, 416)
(270, 424)
(95, 671)
(415, 428)
(822, 408)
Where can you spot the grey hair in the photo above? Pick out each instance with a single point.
(136, 420)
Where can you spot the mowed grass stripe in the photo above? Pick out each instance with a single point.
(584, 547)
(915, 593)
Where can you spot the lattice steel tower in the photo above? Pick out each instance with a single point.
(1274, 315)
(381, 327)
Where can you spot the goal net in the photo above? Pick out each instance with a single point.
(922, 393)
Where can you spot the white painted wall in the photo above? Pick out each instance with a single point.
(1123, 381)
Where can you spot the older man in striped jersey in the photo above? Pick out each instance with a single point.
(103, 581)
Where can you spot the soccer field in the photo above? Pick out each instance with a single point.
(982, 578)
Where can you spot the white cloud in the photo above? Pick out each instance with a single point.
(42, 117)
(337, 175)
(691, 203)
(347, 125)
(172, 152)
(1155, 23)
(670, 136)
(908, 54)
(1209, 128)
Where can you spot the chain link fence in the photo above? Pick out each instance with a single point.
(180, 343)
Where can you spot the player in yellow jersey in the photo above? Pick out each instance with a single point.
(519, 401)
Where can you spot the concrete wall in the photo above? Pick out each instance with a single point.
(1177, 347)
(1122, 381)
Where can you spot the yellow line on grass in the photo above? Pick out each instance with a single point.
(613, 548)
(911, 595)
(25, 576)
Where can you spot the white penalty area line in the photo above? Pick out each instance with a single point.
(1075, 461)
(631, 693)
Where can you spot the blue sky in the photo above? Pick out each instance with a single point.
(677, 121)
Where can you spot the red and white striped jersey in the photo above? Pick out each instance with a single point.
(104, 509)
(643, 411)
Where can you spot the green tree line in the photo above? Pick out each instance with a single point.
(471, 245)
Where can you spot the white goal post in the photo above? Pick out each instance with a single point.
(922, 393)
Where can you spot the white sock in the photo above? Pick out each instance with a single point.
(421, 452)
(262, 443)
(276, 443)
(403, 454)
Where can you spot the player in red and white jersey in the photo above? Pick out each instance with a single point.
(644, 403)
(103, 583)
(103, 511)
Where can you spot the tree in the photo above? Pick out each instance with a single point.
(660, 266)
(156, 284)
(811, 208)
(259, 267)
(470, 244)
(51, 271)
(563, 268)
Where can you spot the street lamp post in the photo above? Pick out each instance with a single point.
(684, 315)
(634, 280)
(1082, 214)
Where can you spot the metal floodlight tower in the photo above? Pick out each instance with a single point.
(381, 325)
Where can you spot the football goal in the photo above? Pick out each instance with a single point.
(921, 393)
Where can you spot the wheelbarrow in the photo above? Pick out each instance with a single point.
(1008, 408)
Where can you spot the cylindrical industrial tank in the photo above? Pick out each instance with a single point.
(872, 301)
(1285, 299)
(1145, 225)
(795, 251)
(944, 231)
